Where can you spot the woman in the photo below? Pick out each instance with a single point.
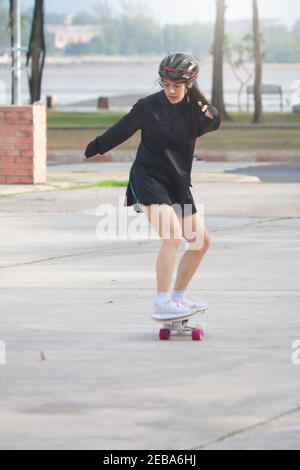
(160, 177)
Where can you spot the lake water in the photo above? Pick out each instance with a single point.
(74, 85)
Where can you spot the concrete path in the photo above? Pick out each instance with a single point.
(84, 366)
(74, 175)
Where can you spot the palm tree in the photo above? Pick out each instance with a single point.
(36, 51)
(258, 65)
(218, 52)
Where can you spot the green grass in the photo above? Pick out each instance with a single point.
(100, 184)
(112, 183)
(55, 119)
(251, 140)
(226, 139)
(100, 118)
(268, 118)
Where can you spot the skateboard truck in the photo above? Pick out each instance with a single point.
(181, 327)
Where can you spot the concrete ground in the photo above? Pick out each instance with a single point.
(84, 366)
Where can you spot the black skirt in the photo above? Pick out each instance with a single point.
(145, 189)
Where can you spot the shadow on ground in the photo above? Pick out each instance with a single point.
(275, 173)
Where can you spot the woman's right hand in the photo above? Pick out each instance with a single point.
(91, 150)
(205, 110)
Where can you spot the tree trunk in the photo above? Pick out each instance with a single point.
(258, 65)
(37, 51)
(218, 47)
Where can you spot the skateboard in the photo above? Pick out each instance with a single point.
(182, 327)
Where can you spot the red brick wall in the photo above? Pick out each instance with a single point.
(23, 148)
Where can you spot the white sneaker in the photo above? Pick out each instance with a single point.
(193, 304)
(169, 310)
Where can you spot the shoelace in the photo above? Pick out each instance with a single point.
(172, 301)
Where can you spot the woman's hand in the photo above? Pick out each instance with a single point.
(92, 150)
(205, 110)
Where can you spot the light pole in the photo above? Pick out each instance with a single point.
(16, 52)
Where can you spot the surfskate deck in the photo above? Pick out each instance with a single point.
(182, 327)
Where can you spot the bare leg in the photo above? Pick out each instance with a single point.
(165, 266)
(198, 245)
(165, 222)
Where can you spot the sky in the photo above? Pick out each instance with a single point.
(182, 11)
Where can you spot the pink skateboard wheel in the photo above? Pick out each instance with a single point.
(164, 333)
(198, 335)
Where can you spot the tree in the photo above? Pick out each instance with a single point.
(2, 22)
(135, 8)
(36, 51)
(218, 51)
(237, 53)
(296, 27)
(196, 37)
(103, 11)
(12, 40)
(258, 65)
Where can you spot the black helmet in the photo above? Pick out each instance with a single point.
(179, 66)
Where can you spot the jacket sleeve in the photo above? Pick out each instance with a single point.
(121, 130)
(205, 124)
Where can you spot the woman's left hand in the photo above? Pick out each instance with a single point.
(205, 110)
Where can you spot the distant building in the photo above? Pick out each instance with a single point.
(63, 35)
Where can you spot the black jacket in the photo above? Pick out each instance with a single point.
(168, 137)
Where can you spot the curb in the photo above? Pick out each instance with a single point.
(58, 157)
(275, 156)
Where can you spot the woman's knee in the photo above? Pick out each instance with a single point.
(200, 244)
(165, 222)
(207, 242)
(172, 243)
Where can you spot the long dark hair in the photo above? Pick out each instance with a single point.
(196, 95)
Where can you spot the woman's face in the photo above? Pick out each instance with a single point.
(175, 92)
